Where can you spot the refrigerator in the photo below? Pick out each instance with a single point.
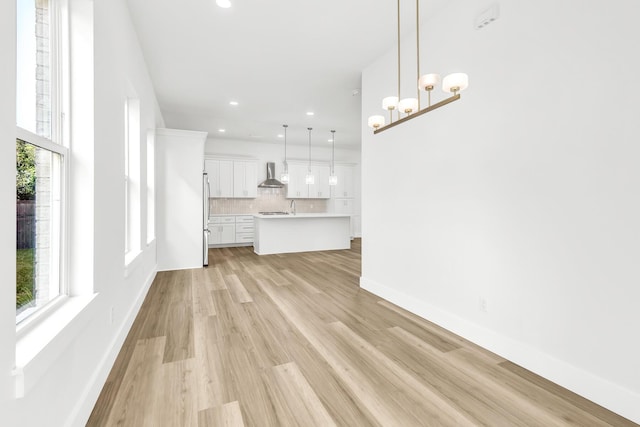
(206, 192)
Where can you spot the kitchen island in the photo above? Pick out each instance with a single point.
(303, 232)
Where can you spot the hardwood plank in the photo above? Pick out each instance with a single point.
(132, 403)
(215, 279)
(202, 299)
(237, 290)
(306, 407)
(227, 415)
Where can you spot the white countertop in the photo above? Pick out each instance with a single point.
(302, 215)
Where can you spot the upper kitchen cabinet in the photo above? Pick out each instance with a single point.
(245, 179)
(231, 178)
(320, 189)
(220, 177)
(299, 189)
(345, 187)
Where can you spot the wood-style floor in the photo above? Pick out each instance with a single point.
(291, 340)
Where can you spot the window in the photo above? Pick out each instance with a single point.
(132, 178)
(40, 156)
(151, 186)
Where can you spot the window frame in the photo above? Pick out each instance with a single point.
(58, 143)
(132, 180)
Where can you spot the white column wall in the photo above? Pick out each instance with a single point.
(523, 194)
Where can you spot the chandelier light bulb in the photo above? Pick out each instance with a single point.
(456, 82)
(375, 122)
(429, 81)
(408, 105)
(390, 103)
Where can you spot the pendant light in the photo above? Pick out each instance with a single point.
(453, 84)
(333, 178)
(309, 179)
(284, 176)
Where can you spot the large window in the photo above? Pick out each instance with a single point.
(40, 155)
(132, 178)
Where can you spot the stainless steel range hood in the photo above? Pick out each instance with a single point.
(271, 181)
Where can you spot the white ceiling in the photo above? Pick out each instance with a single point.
(277, 58)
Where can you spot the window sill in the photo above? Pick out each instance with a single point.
(41, 344)
(131, 262)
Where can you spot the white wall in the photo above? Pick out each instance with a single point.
(523, 193)
(75, 368)
(7, 210)
(179, 202)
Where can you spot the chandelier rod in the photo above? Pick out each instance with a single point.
(398, 53)
(418, 48)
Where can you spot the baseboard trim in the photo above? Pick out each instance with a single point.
(603, 392)
(82, 411)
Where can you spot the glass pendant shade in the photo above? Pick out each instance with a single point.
(429, 81)
(333, 179)
(375, 121)
(456, 82)
(309, 179)
(284, 178)
(390, 103)
(408, 105)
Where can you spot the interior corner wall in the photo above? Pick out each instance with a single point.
(67, 389)
(517, 207)
(7, 213)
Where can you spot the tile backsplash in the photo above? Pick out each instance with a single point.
(268, 200)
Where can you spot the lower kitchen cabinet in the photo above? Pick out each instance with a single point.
(229, 230)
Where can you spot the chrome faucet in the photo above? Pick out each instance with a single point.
(292, 206)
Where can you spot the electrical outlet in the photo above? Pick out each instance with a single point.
(483, 305)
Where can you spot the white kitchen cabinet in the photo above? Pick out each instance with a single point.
(220, 177)
(244, 229)
(245, 179)
(230, 230)
(299, 189)
(222, 229)
(346, 206)
(320, 189)
(345, 186)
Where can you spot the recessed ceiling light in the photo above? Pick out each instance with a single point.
(233, 103)
(222, 130)
(280, 135)
(310, 113)
(223, 3)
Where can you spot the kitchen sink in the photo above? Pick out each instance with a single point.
(273, 213)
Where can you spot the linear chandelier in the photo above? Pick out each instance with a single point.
(452, 83)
